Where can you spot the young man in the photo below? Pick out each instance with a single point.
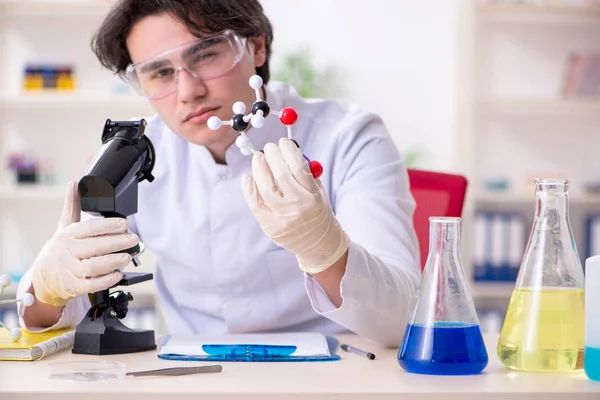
(243, 243)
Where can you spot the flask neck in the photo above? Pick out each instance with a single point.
(551, 259)
(552, 200)
(444, 236)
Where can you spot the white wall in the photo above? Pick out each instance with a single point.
(397, 57)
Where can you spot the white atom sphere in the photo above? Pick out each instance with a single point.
(258, 121)
(246, 151)
(27, 299)
(239, 107)
(15, 334)
(214, 123)
(4, 280)
(255, 82)
(242, 141)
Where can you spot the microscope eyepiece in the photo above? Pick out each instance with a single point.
(109, 187)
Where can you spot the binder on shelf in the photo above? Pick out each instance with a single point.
(141, 318)
(481, 245)
(517, 236)
(592, 235)
(497, 254)
(287, 347)
(500, 239)
(9, 315)
(490, 320)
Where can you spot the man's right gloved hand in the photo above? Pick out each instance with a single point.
(76, 259)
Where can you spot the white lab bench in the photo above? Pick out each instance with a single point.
(353, 377)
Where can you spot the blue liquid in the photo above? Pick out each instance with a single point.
(443, 349)
(591, 362)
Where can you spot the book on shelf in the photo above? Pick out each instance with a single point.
(582, 76)
(500, 239)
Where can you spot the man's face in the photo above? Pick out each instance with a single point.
(187, 109)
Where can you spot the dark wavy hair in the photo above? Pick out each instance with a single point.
(245, 17)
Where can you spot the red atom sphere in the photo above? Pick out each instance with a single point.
(288, 116)
(316, 169)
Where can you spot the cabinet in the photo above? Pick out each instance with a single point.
(59, 129)
(523, 125)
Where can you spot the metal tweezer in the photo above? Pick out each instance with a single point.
(177, 371)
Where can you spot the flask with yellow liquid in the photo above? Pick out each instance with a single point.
(543, 329)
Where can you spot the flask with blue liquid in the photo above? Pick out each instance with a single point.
(443, 336)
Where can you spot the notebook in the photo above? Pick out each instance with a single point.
(270, 347)
(34, 346)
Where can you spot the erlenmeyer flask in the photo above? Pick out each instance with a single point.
(443, 336)
(544, 325)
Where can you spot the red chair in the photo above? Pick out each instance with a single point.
(436, 194)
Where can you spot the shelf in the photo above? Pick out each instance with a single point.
(488, 196)
(73, 100)
(539, 14)
(546, 107)
(511, 197)
(492, 290)
(54, 7)
(32, 192)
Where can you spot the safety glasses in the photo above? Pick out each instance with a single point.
(206, 58)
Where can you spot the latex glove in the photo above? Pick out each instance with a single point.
(295, 213)
(75, 260)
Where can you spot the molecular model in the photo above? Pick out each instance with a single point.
(26, 300)
(256, 119)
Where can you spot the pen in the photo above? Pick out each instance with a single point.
(351, 349)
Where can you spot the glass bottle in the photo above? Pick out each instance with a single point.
(591, 354)
(443, 336)
(544, 326)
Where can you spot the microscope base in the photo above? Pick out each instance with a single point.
(106, 335)
(102, 332)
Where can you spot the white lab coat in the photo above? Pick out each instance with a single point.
(217, 272)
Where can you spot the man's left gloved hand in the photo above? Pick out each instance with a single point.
(292, 207)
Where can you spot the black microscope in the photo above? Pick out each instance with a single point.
(109, 188)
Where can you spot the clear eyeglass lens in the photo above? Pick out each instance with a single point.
(206, 59)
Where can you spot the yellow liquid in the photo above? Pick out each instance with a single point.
(544, 330)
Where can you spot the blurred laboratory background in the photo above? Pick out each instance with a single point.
(499, 91)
